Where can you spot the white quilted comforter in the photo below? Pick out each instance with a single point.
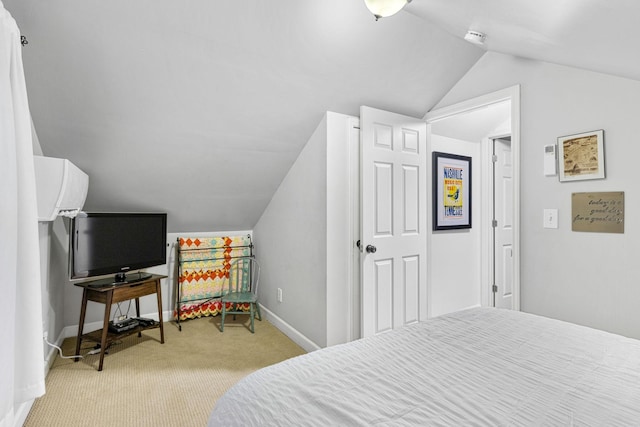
(478, 367)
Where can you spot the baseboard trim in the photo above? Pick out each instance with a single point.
(289, 330)
(284, 327)
(21, 413)
(51, 354)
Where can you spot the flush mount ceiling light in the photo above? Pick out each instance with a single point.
(475, 37)
(385, 8)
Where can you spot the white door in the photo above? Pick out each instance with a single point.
(503, 224)
(394, 220)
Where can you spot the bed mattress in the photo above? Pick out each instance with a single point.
(482, 367)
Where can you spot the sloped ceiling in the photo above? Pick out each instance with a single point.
(595, 35)
(198, 108)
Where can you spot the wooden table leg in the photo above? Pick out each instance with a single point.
(83, 312)
(105, 329)
(160, 311)
(138, 313)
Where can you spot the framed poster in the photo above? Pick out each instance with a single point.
(451, 191)
(581, 156)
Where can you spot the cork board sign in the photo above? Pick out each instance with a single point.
(598, 212)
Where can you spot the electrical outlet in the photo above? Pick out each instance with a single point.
(45, 335)
(279, 294)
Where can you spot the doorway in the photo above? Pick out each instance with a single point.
(457, 117)
(496, 263)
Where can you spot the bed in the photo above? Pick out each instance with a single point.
(482, 366)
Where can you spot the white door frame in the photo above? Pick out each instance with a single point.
(511, 94)
(354, 226)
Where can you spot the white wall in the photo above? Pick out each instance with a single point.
(290, 239)
(586, 278)
(303, 240)
(455, 254)
(54, 280)
(340, 247)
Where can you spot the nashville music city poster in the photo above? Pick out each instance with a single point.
(452, 191)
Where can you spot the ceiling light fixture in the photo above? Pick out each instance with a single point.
(475, 37)
(385, 8)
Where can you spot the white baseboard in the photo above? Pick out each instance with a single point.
(289, 330)
(51, 353)
(167, 316)
(21, 413)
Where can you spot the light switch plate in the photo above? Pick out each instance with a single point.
(550, 218)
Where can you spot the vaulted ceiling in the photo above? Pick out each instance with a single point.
(198, 108)
(595, 35)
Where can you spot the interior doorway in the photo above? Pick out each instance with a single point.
(479, 120)
(459, 118)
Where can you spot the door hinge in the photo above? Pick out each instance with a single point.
(494, 288)
(494, 158)
(494, 223)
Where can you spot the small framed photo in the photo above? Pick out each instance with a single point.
(581, 156)
(451, 191)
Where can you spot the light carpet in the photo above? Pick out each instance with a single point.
(145, 383)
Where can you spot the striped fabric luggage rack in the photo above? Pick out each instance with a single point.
(203, 266)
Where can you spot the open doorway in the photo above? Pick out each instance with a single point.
(487, 255)
(477, 123)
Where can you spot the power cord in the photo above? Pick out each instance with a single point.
(59, 349)
(122, 316)
(91, 352)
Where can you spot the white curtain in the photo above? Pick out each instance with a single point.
(21, 345)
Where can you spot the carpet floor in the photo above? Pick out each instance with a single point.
(145, 383)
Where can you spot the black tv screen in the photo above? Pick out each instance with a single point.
(116, 243)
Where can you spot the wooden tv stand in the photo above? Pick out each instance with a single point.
(107, 294)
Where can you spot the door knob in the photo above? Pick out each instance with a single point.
(371, 249)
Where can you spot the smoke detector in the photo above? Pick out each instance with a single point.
(475, 37)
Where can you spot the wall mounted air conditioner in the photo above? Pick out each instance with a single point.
(61, 188)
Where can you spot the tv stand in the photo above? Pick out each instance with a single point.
(108, 293)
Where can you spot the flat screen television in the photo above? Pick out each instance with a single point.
(116, 243)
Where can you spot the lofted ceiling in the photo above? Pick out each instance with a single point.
(595, 35)
(198, 108)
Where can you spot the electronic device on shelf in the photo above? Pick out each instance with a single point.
(123, 325)
(143, 321)
(103, 243)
